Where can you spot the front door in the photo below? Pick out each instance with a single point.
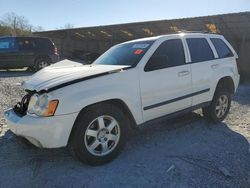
(8, 53)
(166, 85)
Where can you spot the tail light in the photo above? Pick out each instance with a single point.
(55, 51)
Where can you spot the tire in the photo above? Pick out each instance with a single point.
(99, 134)
(41, 63)
(30, 69)
(219, 108)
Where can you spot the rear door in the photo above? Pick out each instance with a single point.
(166, 87)
(8, 53)
(203, 65)
(26, 47)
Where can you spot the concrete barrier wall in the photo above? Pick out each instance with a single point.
(235, 27)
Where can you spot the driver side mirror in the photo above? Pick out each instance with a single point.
(155, 63)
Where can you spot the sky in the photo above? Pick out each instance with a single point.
(53, 14)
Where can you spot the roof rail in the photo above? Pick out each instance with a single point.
(186, 31)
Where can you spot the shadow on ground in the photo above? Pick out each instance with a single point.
(186, 152)
(14, 73)
(242, 95)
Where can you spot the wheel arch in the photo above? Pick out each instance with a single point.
(118, 103)
(41, 56)
(226, 83)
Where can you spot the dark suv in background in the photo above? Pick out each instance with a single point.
(83, 56)
(32, 52)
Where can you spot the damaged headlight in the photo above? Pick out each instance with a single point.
(41, 105)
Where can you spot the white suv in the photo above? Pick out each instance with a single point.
(90, 108)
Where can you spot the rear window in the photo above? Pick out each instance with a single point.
(125, 54)
(222, 49)
(199, 50)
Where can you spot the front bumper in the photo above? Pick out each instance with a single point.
(44, 132)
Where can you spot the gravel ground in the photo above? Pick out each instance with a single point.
(183, 152)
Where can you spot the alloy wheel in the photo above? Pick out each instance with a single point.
(42, 64)
(221, 106)
(102, 135)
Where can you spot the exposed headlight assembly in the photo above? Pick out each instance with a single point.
(41, 105)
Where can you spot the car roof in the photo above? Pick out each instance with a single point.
(178, 35)
(31, 37)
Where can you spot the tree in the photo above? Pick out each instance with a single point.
(13, 24)
(37, 28)
(66, 26)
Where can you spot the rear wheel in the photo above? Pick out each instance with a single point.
(99, 134)
(41, 63)
(219, 108)
(30, 69)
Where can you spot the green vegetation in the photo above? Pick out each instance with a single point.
(12, 24)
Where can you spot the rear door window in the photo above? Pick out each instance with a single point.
(222, 49)
(199, 49)
(25, 44)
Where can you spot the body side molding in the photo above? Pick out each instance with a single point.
(176, 99)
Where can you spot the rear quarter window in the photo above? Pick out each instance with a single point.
(43, 43)
(221, 47)
(199, 49)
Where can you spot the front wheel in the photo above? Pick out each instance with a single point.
(219, 108)
(99, 134)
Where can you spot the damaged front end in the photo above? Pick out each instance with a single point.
(21, 107)
(37, 104)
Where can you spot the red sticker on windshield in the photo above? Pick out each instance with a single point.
(138, 52)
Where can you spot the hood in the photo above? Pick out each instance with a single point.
(66, 72)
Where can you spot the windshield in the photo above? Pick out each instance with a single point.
(125, 54)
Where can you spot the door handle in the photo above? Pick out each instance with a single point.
(215, 66)
(183, 73)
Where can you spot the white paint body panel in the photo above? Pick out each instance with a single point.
(65, 71)
(163, 85)
(136, 88)
(45, 132)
